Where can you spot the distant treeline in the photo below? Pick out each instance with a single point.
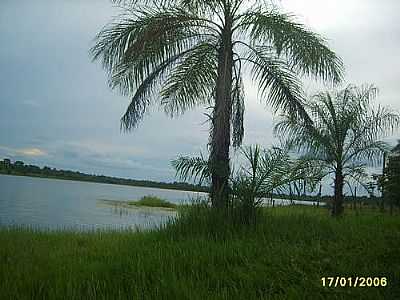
(328, 198)
(20, 168)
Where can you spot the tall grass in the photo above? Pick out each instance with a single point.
(206, 255)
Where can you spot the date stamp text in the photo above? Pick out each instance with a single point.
(354, 281)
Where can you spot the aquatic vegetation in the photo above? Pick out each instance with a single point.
(145, 201)
(153, 201)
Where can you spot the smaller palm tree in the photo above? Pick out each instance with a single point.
(262, 173)
(344, 135)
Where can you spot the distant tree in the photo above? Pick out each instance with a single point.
(19, 164)
(46, 170)
(5, 166)
(188, 53)
(344, 135)
(391, 184)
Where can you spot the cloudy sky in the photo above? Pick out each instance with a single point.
(57, 110)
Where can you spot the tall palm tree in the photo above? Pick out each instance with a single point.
(187, 53)
(343, 136)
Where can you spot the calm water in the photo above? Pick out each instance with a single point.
(59, 204)
(62, 204)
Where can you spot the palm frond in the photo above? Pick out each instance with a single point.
(207, 7)
(192, 168)
(277, 82)
(141, 40)
(192, 81)
(273, 170)
(305, 137)
(143, 95)
(370, 151)
(137, 51)
(306, 51)
(357, 173)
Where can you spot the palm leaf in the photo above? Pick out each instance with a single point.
(192, 81)
(306, 51)
(277, 82)
(192, 168)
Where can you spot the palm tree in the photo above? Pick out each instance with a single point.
(343, 136)
(186, 53)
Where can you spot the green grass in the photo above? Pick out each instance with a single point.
(153, 201)
(284, 256)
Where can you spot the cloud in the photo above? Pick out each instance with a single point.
(25, 152)
(31, 152)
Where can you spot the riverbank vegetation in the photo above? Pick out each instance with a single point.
(283, 255)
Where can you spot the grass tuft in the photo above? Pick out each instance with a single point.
(153, 201)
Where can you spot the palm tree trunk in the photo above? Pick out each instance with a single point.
(319, 195)
(221, 130)
(383, 186)
(337, 208)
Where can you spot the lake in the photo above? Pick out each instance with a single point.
(62, 204)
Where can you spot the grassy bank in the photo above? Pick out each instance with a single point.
(283, 257)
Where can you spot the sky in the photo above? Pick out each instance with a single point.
(56, 108)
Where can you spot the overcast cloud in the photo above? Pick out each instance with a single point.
(56, 108)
